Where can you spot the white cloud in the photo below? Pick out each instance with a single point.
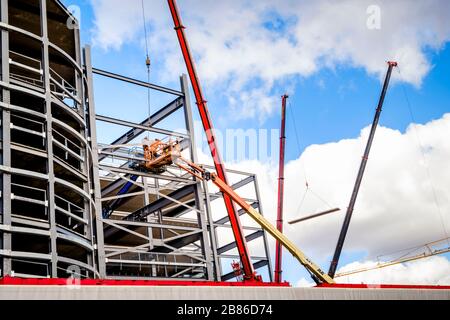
(396, 208)
(430, 271)
(115, 22)
(244, 49)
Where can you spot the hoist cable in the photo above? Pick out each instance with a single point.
(308, 189)
(148, 64)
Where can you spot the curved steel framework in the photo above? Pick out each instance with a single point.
(46, 173)
(57, 180)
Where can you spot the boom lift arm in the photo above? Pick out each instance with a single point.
(171, 153)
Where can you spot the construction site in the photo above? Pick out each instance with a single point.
(135, 212)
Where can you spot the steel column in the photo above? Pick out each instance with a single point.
(212, 232)
(266, 244)
(189, 120)
(50, 158)
(95, 165)
(5, 243)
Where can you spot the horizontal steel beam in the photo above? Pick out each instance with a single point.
(314, 216)
(144, 174)
(154, 263)
(139, 126)
(153, 120)
(161, 203)
(136, 82)
(235, 186)
(256, 265)
(241, 212)
(232, 245)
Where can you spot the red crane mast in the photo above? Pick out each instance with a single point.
(279, 248)
(247, 266)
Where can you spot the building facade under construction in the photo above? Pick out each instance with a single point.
(74, 205)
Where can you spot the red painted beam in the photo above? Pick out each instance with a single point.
(9, 281)
(249, 273)
(278, 246)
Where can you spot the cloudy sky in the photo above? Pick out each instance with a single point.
(330, 56)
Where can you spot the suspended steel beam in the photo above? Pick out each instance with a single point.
(314, 216)
(278, 246)
(348, 215)
(249, 273)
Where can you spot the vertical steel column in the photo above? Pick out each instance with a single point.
(212, 233)
(189, 120)
(266, 244)
(249, 273)
(279, 248)
(48, 110)
(100, 244)
(5, 243)
(365, 158)
(84, 152)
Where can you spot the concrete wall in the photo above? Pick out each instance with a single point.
(213, 293)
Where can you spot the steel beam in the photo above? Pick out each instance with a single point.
(256, 265)
(136, 82)
(189, 120)
(161, 203)
(241, 212)
(49, 140)
(232, 245)
(212, 233)
(157, 117)
(145, 174)
(95, 164)
(266, 242)
(139, 126)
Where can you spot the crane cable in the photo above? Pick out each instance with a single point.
(148, 64)
(427, 167)
(308, 187)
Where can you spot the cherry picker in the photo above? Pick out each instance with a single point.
(159, 155)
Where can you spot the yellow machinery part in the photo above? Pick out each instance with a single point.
(266, 225)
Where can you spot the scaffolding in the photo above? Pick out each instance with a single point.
(69, 200)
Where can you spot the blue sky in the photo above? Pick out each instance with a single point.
(330, 103)
(329, 106)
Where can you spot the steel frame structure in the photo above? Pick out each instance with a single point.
(171, 234)
(57, 179)
(46, 207)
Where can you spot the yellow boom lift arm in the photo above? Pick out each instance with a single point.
(172, 151)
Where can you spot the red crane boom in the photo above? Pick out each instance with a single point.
(249, 273)
(279, 248)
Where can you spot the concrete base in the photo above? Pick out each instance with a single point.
(213, 293)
